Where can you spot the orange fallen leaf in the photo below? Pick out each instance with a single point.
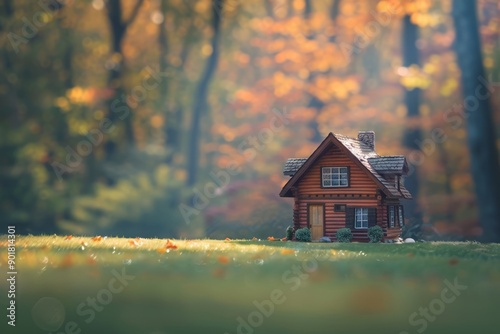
(69, 237)
(453, 262)
(270, 238)
(170, 245)
(227, 239)
(283, 239)
(287, 251)
(133, 242)
(97, 238)
(161, 250)
(223, 259)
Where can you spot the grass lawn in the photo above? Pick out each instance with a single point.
(116, 285)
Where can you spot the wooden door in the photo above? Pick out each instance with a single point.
(316, 221)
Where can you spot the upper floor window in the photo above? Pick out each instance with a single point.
(335, 177)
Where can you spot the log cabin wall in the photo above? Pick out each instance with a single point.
(390, 233)
(362, 192)
(335, 220)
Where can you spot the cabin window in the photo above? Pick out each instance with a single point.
(339, 207)
(332, 177)
(401, 215)
(396, 182)
(392, 216)
(361, 218)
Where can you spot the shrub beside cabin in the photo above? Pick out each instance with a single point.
(344, 183)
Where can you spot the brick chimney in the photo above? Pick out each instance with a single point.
(367, 137)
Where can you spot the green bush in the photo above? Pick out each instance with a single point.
(303, 234)
(375, 233)
(289, 233)
(344, 235)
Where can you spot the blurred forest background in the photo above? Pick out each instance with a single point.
(174, 117)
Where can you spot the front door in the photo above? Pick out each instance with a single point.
(316, 220)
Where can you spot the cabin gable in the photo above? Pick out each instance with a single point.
(358, 180)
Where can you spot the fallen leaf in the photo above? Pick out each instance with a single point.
(270, 238)
(287, 251)
(223, 259)
(133, 242)
(170, 245)
(161, 250)
(69, 237)
(453, 261)
(254, 239)
(227, 239)
(97, 238)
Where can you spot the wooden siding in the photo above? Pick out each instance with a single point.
(359, 181)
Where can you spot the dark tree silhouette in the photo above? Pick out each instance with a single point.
(118, 27)
(201, 92)
(412, 134)
(478, 112)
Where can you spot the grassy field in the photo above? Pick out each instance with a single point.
(144, 286)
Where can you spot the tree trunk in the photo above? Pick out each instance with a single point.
(478, 112)
(118, 28)
(412, 134)
(170, 129)
(201, 92)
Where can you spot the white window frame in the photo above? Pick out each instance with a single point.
(339, 175)
(361, 218)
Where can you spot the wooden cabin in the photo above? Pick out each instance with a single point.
(345, 183)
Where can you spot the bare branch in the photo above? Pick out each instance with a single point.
(134, 13)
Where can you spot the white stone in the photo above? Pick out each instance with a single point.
(409, 240)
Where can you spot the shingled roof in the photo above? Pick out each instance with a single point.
(368, 158)
(292, 165)
(389, 164)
